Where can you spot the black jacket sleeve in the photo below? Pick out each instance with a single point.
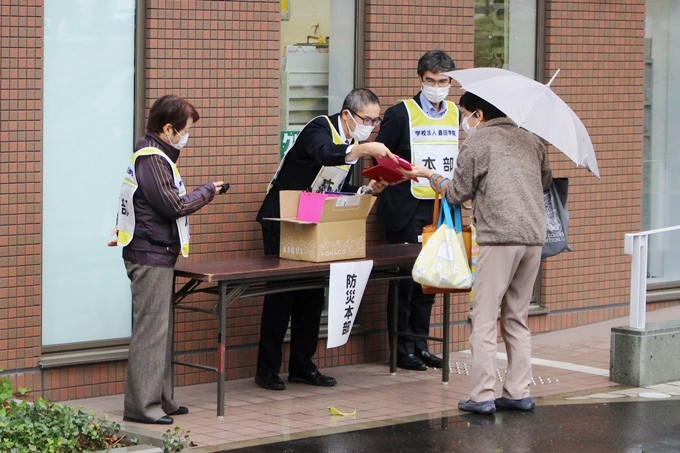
(313, 149)
(397, 206)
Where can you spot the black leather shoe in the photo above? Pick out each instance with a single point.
(165, 420)
(411, 362)
(182, 410)
(313, 378)
(270, 382)
(430, 360)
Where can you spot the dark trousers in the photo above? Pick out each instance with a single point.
(413, 307)
(303, 310)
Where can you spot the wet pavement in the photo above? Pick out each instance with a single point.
(578, 409)
(639, 426)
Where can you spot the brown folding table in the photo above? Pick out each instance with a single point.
(256, 276)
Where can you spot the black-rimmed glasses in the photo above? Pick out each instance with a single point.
(366, 120)
(436, 83)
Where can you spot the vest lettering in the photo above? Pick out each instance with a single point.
(434, 144)
(125, 223)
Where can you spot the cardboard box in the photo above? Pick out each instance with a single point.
(311, 205)
(340, 233)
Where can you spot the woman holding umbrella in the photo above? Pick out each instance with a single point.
(504, 170)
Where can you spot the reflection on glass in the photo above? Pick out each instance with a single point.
(317, 61)
(88, 82)
(505, 35)
(661, 162)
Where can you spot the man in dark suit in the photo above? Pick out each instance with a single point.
(319, 160)
(424, 131)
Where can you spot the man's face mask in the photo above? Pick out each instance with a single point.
(435, 94)
(361, 132)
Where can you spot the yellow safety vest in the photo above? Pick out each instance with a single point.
(329, 179)
(434, 144)
(125, 222)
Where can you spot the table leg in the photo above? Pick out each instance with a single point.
(221, 347)
(172, 342)
(446, 338)
(393, 330)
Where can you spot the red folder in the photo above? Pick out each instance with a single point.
(387, 169)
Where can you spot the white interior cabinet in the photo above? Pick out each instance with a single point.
(304, 88)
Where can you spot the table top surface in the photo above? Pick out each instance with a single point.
(273, 267)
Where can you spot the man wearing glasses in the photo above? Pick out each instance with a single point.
(319, 161)
(424, 131)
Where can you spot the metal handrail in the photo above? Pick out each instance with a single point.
(635, 244)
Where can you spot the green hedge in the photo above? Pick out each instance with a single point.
(47, 427)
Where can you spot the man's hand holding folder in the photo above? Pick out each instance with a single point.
(389, 170)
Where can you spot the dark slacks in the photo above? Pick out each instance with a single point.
(413, 307)
(303, 310)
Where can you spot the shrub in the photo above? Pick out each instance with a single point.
(46, 427)
(175, 440)
(51, 427)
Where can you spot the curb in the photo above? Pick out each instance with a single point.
(134, 448)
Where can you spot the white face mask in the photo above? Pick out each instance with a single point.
(466, 127)
(183, 140)
(436, 94)
(361, 132)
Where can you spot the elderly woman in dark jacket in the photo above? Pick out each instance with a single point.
(153, 229)
(504, 170)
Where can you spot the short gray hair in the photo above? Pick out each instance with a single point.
(359, 98)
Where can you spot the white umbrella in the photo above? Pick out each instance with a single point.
(534, 107)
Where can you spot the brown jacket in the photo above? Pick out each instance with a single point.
(157, 206)
(504, 170)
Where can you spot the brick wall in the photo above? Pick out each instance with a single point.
(20, 194)
(397, 35)
(599, 47)
(228, 53)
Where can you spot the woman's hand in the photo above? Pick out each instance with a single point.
(417, 171)
(113, 242)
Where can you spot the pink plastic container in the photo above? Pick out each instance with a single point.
(311, 205)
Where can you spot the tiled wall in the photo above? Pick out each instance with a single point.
(599, 47)
(20, 189)
(397, 35)
(224, 57)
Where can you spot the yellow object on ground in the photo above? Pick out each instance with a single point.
(334, 411)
